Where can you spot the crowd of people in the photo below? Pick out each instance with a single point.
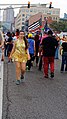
(24, 49)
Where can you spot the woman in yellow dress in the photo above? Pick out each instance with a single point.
(20, 55)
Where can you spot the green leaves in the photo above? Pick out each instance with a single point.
(59, 26)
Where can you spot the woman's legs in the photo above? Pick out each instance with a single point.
(18, 70)
(2, 59)
(23, 67)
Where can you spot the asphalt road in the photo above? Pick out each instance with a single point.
(37, 98)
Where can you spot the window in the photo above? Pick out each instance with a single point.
(22, 27)
(22, 23)
(27, 10)
(31, 10)
(26, 23)
(22, 19)
(56, 18)
(53, 12)
(53, 18)
(49, 13)
(57, 12)
(23, 15)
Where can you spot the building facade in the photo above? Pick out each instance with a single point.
(8, 18)
(8, 15)
(25, 13)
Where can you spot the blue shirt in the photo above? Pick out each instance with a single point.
(31, 46)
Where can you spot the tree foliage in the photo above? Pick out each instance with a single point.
(59, 26)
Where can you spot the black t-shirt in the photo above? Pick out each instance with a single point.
(49, 46)
(64, 45)
(10, 39)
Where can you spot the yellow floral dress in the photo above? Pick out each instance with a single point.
(20, 54)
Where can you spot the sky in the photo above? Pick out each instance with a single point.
(62, 4)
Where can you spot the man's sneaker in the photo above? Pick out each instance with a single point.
(22, 76)
(39, 69)
(61, 71)
(17, 82)
(46, 76)
(26, 67)
(8, 62)
(52, 74)
(2, 60)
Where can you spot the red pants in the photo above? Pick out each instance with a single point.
(47, 61)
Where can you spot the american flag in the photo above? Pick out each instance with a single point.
(35, 26)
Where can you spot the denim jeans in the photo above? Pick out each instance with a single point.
(29, 62)
(56, 53)
(40, 62)
(64, 61)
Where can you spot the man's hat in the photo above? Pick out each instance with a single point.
(30, 35)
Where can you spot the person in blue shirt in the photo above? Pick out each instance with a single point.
(31, 49)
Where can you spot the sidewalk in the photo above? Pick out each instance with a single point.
(37, 98)
(1, 87)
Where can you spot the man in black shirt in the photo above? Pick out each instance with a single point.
(64, 56)
(49, 45)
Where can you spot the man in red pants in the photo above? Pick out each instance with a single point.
(49, 45)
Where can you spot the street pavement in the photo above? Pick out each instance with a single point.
(37, 98)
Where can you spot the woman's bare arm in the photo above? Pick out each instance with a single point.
(13, 49)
